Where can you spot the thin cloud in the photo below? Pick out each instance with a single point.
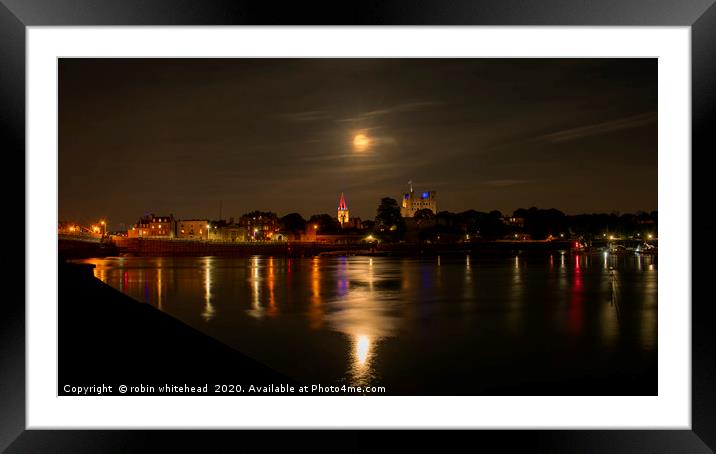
(567, 135)
(398, 108)
(305, 116)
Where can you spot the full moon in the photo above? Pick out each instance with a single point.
(361, 142)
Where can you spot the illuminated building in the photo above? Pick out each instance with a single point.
(413, 201)
(343, 213)
(162, 226)
(227, 231)
(154, 227)
(514, 221)
(196, 229)
(260, 225)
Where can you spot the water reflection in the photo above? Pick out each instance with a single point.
(315, 313)
(360, 372)
(363, 319)
(160, 270)
(255, 279)
(209, 311)
(363, 308)
(273, 307)
(575, 307)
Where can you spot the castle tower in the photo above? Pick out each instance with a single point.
(413, 202)
(343, 213)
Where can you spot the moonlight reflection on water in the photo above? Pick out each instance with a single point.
(377, 320)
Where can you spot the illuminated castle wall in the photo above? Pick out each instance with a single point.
(343, 213)
(414, 201)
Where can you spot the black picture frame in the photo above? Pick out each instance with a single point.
(16, 15)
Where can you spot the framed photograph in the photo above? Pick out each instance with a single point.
(434, 216)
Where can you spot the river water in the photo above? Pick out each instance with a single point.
(541, 324)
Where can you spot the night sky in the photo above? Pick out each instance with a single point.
(186, 136)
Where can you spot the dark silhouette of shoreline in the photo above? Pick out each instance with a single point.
(107, 338)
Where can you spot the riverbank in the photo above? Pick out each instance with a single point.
(68, 248)
(107, 338)
(146, 247)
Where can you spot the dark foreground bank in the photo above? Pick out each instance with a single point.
(108, 340)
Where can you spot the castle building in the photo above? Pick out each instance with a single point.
(343, 213)
(413, 201)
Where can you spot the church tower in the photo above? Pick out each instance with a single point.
(343, 213)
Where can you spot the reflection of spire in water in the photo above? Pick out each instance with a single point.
(342, 277)
(209, 311)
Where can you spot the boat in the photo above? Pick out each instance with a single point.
(618, 249)
(646, 248)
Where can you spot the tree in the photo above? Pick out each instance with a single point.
(539, 224)
(388, 219)
(424, 216)
(293, 222)
(368, 225)
(326, 223)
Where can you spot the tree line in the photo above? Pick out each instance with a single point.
(533, 222)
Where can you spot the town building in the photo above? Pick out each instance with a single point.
(152, 226)
(193, 229)
(227, 231)
(343, 213)
(162, 226)
(514, 221)
(413, 201)
(260, 226)
(353, 223)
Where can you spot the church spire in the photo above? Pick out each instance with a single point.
(343, 213)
